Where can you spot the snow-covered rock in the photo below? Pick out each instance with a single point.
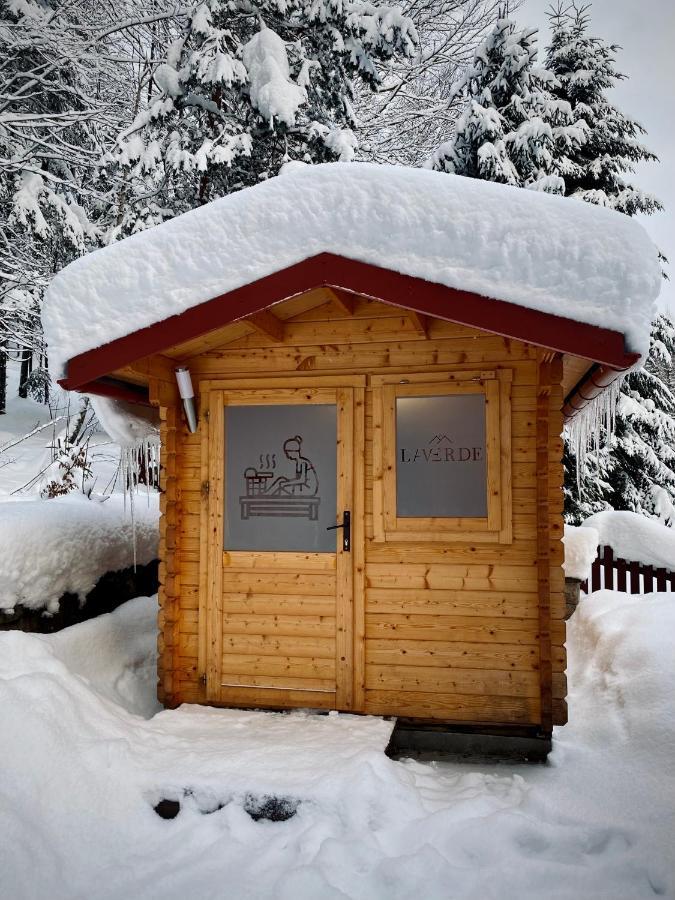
(50, 547)
(581, 548)
(634, 537)
(542, 252)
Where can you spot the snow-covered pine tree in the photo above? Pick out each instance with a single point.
(594, 171)
(585, 69)
(512, 130)
(624, 469)
(246, 87)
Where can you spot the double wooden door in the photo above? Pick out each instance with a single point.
(284, 556)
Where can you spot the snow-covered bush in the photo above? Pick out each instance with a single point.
(64, 545)
(634, 537)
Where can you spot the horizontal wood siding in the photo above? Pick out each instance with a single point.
(452, 632)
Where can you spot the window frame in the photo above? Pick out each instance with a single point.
(496, 527)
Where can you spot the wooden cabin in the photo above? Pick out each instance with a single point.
(368, 517)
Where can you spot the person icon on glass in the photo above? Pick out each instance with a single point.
(304, 482)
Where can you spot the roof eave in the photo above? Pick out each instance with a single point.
(600, 345)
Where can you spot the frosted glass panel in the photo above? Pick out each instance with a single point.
(280, 477)
(441, 456)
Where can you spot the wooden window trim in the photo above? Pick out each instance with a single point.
(496, 527)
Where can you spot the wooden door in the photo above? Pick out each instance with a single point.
(284, 457)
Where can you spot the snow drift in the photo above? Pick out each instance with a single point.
(540, 251)
(81, 770)
(51, 547)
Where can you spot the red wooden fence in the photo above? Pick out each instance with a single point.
(623, 575)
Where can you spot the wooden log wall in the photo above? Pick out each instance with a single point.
(463, 632)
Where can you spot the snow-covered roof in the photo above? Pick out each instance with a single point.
(543, 252)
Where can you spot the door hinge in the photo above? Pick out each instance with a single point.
(207, 415)
(206, 487)
(202, 680)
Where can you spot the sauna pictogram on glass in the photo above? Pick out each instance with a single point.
(291, 495)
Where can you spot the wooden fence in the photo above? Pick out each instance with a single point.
(623, 575)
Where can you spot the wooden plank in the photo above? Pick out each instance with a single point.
(634, 569)
(608, 568)
(454, 707)
(216, 457)
(519, 553)
(280, 645)
(431, 679)
(272, 604)
(341, 299)
(278, 682)
(263, 395)
(281, 666)
(661, 584)
(294, 583)
(543, 546)
(301, 626)
(274, 699)
(507, 604)
(420, 323)
(449, 577)
(463, 629)
(445, 654)
(272, 561)
(344, 601)
(622, 567)
(505, 457)
(647, 576)
(267, 324)
(378, 476)
(434, 356)
(358, 553)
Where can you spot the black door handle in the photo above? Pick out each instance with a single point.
(346, 526)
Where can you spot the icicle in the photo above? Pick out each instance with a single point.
(593, 426)
(136, 430)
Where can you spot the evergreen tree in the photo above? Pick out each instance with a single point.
(585, 69)
(512, 130)
(246, 87)
(615, 475)
(633, 468)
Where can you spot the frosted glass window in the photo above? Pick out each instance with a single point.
(280, 477)
(441, 457)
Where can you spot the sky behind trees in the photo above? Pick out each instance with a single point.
(645, 29)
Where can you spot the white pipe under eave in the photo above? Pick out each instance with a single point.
(187, 395)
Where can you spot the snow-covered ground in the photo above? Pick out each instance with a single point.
(85, 755)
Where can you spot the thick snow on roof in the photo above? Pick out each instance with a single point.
(543, 252)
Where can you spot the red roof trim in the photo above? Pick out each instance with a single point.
(558, 333)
